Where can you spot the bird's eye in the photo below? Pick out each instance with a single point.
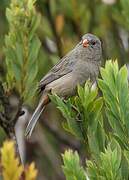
(93, 42)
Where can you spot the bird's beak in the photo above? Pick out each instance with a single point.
(85, 43)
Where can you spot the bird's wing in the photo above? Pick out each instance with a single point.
(63, 67)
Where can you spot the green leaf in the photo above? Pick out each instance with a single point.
(33, 50)
(114, 86)
(80, 93)
(125, 165)
(97, 106)
(19, 53)
(66, 109)
(32, 74)
(34, 25)
(17, 72)
(71, 167)
(10, 55)
(114, 144)
(89, 97)
(108, 166)
(29, 93)
(9, 15)
(31, 4)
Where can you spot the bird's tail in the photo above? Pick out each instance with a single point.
(37, 113)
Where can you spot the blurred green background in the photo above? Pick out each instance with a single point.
(62, 25)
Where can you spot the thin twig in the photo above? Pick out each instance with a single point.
(52, 24)
(91, 5)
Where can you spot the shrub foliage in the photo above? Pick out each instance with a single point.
(86, 116)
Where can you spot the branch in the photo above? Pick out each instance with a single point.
(91, 6)
(6, 121)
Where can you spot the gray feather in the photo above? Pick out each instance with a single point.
(75, 68)
(34, 119)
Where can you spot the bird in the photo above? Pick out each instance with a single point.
(75, 68)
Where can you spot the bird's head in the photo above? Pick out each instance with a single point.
(91, 46)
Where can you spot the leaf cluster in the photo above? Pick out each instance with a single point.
(71, 167)
(88, 115)
(22, 47)
(11, 168)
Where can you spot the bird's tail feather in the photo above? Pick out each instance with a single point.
(34, 119)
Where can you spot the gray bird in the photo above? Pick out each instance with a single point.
(79, 65)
